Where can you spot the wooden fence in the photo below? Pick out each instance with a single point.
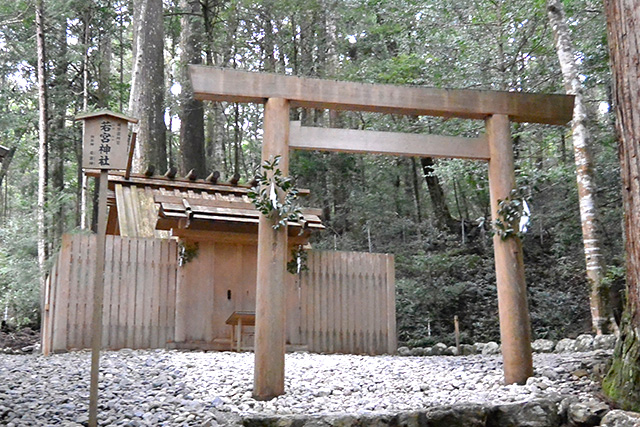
(348, 303)
(345, 302)
(139, 299)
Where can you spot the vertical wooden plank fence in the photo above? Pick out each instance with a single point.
(345, 301)
(139, 303)
(348, 303)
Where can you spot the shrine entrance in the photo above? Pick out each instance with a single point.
(279, 93)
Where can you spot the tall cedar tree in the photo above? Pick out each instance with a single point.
(43, 132)
(623, 24)
(146, 101)
(59, 97)
(192, 110)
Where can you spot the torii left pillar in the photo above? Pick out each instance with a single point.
(270, 329)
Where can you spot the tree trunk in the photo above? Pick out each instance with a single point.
(216, 136)
(237, 136)
(332, 62)
(121, 49)
(216, 120)
(5, 162)
(57, 130)
(42, 142)
(268, 43)
(436, 194)
(146, 101)
(105, 52)
(416, 189)
(307, 65)
(623, 23)
(601, 312)
(4, 170)
(82, 178)
(192, 110)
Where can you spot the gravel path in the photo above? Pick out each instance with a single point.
(160, 387)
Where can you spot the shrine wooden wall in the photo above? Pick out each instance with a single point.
(221, 279)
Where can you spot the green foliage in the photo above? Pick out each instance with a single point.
(558, 301)
(615, 275)
(19, 283)
(441, 285)
(298, 261)
(275, 195)
(187, 252)
(434, 286)
(510, 212)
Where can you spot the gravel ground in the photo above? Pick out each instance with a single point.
(168, 387)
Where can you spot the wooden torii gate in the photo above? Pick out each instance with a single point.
(279, 93)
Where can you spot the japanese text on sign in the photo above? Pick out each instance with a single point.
(105, 143)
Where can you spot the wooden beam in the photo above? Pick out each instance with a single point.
(217, 84)
(515, 326)
(237, 203)
(268, 379)
(232, 236)
(390, 143)
(132, 147)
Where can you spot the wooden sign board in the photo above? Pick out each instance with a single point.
(105, 143)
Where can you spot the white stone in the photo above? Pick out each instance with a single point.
(491, 348)
(543, 346)
(565, 345)
(604, 342)
(584, 343)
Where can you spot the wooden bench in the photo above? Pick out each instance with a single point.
(237, 320)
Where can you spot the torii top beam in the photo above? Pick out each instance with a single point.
(218, 84)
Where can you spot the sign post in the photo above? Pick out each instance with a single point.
(105, 146)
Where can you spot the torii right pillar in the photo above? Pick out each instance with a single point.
(515, 326)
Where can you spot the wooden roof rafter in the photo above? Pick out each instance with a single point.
(206, 212)
(158, 181)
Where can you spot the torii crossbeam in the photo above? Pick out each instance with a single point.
(279, 93)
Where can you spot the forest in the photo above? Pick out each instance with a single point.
(432, 214)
